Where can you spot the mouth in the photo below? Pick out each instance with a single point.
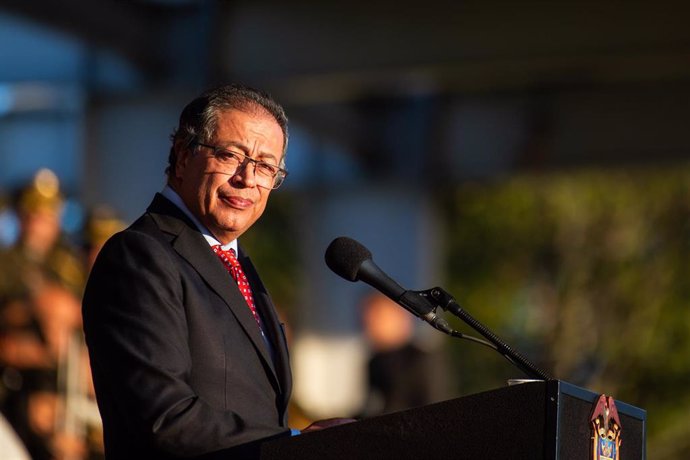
(236, 202)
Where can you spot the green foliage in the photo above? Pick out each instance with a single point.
(271, 244)
(587, 273)
(590, 270)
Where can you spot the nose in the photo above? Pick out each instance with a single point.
(245, 174)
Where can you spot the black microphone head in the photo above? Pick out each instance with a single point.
(345, 256)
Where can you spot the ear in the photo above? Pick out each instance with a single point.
(182, 153)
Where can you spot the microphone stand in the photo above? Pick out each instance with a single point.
(448, 303)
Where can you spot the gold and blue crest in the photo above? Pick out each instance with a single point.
(606, 429)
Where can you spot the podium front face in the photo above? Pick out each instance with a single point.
(531, 421)
(569, 409)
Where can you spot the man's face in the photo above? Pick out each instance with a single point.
(41, 228)
(229, 204)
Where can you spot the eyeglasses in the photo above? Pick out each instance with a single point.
(267, 175)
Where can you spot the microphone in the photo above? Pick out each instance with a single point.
(349, 259)
(352, 261)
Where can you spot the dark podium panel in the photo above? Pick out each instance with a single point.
(536, 420)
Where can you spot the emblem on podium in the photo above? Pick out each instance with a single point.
(606, 430)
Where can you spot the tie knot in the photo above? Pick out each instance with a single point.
(226, 254)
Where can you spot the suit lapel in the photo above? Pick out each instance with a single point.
(191, 245)
(272, 323)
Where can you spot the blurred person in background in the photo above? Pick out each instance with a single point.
(41, 254)
(101, 223)
(187, 352)
(402, 373)
(41, 279)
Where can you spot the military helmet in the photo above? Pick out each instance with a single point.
(42, 193)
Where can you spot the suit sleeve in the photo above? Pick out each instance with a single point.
(136, 331)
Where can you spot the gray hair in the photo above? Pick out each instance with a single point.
(199, 119)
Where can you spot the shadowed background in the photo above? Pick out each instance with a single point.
(529, 157)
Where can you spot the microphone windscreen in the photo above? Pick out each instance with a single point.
(345, 256)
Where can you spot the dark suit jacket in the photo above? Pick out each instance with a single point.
(178, 362)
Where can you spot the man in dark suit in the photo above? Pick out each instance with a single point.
(186, 360)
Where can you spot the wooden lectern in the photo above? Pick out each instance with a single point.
(537, 420)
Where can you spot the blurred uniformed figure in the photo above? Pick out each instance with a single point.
(40, 254)
(102, 222)
(402, 373)
(41, 281)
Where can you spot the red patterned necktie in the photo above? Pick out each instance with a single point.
(233, 266)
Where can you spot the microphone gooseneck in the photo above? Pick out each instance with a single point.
(352, 261)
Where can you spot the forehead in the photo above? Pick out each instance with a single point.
(248, 126)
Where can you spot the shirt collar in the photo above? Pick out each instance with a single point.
(172, 195)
